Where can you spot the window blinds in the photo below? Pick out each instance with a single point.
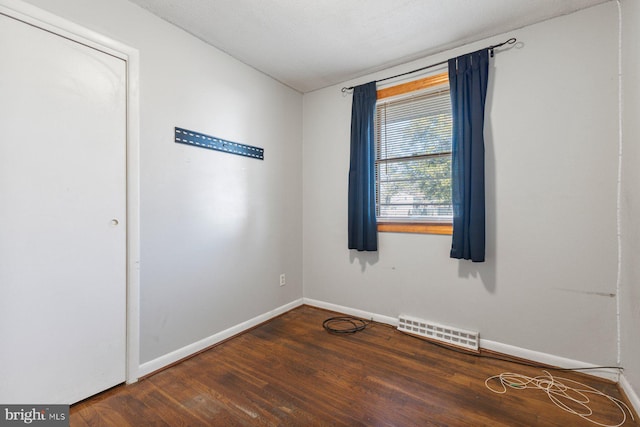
(413, 157)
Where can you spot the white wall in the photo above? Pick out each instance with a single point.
(216, 229)
(549, 282)
(630, 200)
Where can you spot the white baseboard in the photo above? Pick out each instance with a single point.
(549, 359)
(630, 392)
(166, 360)
(523, 353)
(534, 356)
(352, 311)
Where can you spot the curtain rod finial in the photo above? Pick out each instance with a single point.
(512, 40)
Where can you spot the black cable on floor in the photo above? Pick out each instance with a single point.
(344, 325)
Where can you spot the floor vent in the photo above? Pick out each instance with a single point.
(445, 334)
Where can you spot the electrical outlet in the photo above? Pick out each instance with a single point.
(283, 280)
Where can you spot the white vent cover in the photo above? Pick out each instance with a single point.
(446, 334)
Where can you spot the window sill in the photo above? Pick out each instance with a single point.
(417, 227)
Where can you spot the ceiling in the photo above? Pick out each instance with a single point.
(311, 44)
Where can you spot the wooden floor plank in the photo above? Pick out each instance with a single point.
(290, 372)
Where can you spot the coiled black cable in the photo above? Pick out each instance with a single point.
(344, 325)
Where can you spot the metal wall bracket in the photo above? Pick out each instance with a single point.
(189, 137)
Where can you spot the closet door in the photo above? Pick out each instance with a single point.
(62, 217)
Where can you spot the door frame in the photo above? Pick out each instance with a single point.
(40, 18)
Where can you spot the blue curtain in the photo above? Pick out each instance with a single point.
(363, 233)
(468, 75)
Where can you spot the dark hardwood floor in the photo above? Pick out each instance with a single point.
(291, 372)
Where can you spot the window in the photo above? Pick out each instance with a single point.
(413, 157)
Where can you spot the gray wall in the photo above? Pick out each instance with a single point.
(552, 162)
(630, 200)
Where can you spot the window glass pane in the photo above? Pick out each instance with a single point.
(422, 126)
(415, 189)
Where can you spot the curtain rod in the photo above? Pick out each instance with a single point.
(512, 40)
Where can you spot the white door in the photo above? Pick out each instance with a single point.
(62, 217)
